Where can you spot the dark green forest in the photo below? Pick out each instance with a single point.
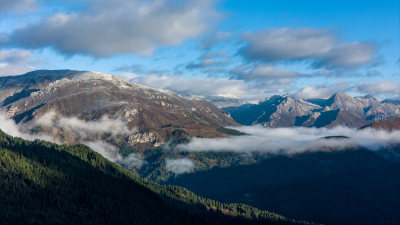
(46, 183)
(353, 186)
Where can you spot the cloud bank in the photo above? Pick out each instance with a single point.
(320, 47)
(9, 127)
(109, 27)
(206, 87)
(292, 140)
(82, 130)
(216, 89)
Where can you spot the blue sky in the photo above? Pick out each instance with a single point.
(212, 49)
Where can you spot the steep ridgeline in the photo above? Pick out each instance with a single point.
(340, 109)
(45, 183)
(152, 116)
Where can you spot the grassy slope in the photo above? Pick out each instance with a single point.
(45, 183)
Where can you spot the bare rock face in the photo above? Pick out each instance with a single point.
(150, 117)
(340, 109)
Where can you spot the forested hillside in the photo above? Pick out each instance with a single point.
(353, 186)
(45, 183)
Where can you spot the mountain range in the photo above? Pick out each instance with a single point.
(138, 128)
(339, 109)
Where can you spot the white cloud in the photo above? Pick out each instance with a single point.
(106, 149)
(180, 166)
(14, 55)
(8, 126)
(133, 160)
(111, 153)
(320, 47)
(267, 72)
(8, 69)
(201, 87)
(385, 87)
(285, 43)
(109, 27)
(348, 55)
(292, 140)
(15, 61)
(84, 129)
(310, 92)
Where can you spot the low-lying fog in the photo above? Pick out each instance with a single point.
(258, 139)
(293, 140)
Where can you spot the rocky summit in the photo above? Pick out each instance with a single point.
(134, 115)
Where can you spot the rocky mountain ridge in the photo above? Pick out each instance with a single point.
(339, 109)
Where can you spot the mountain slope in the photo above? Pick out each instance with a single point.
(152, 116)
(389, 125)
(45, 183)
(275, 111)
(354, 186)
(339, 109)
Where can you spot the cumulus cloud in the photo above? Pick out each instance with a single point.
(384, 87)
(292, 140)
(310, 92)
(201, 87)
(323, 91)
(109, 27)
(286, 43)
(211, 88)
(266, 72)
(320, 47)
(348, 55)
(15, 61)
(180, 166)
(14, 55)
